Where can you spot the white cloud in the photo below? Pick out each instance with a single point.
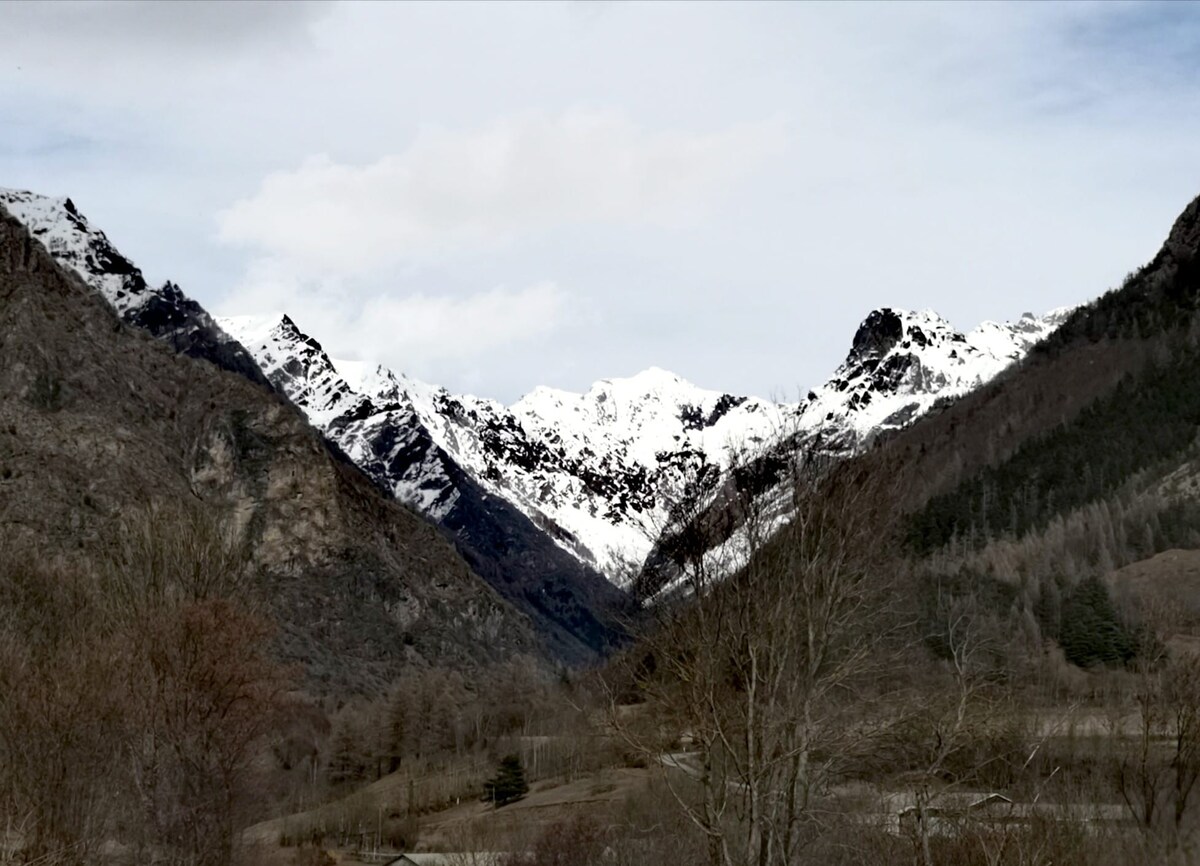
(452, 190)
(981, 160)
(418, 333)
(435, 328)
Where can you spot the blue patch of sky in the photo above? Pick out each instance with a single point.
(1157, 40)
(26, 138)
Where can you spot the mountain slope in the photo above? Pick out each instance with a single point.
(166, 312)
(592, 471)
(1040, 493)
(98, 420)
(591, 475)
(388, 427)
(902, 363)
(1150, 321)
(574, 609)
(1110, 395)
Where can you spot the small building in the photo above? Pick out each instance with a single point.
(945, 813)
(451, 858)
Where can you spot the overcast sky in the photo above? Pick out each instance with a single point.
(494, 196)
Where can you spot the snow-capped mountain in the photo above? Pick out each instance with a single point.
(414, 440)
(166, 312)
(375, 423)
(591, 474)
(595, 471)
(571, 605)
(899, 366)
(598, 471)
(900, 363)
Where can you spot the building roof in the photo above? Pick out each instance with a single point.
(450, 858)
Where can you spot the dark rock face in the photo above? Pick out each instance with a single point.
(693, 417)
(577, 611)
(878, 334)
(182, 323)
(1183, 243)
(98, 420)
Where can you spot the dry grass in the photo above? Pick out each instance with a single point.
(547, 803)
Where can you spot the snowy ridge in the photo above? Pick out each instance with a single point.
(598, 470)
(899, 366)
(166, 312)
(67, 235)
(901, 363)
(595, 472)
(379, 431)
(592, 470)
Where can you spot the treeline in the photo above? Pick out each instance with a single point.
(1080, 617)
(1160, 297)
(438, 717)
(433, 740)
(1070, 506)
(818, 726)
(1051, 586)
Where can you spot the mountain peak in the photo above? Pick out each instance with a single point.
(1184, 240)
(651, 381)
(132, 427)
(657, 376)
(901, 362)
(248, 329)
(886, 327)
(590, 469)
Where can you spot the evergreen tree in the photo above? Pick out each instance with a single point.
(1091, 633)
(508, 785)
(347, 761)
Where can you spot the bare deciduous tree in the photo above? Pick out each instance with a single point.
(200, 689)
(1157, 772)
(135, 697)
(765, 674)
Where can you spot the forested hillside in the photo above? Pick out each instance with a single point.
(1151, 318)
(1080, 460)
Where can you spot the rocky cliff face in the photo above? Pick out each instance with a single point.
(573, 608)
(98, 420)
(901, 363)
